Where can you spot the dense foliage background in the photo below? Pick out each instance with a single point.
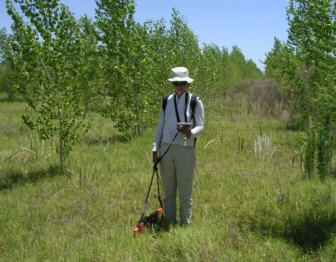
(89, 92)
(111, 64)
(305, 67)
(64, 68)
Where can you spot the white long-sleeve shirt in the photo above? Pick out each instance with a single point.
(167, 125)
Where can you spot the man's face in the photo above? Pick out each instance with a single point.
(180, 87)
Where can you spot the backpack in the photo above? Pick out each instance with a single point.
(193, 103)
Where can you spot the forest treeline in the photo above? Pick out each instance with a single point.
(305, 67)
(64, 67)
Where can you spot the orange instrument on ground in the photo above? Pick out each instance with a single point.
(149, 220)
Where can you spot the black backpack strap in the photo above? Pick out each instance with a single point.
(164, 102)
(193, 104)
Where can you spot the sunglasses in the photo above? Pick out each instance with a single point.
(180, 83)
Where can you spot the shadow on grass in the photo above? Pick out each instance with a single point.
(5, 99)
(309, 232)
(115, 138)
(156, 228)
(162, 226)
(15, 177)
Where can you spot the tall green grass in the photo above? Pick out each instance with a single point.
(251, 200)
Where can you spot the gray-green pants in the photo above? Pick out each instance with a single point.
(177, 172)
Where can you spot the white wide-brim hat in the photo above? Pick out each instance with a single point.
(180, 74)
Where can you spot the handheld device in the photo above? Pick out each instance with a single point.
(181, 126)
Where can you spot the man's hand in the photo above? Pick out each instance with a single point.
(187, 133)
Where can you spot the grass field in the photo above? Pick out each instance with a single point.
(252, 201)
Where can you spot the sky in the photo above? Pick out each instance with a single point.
(251, 25)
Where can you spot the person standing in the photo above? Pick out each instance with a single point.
(177, 167)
